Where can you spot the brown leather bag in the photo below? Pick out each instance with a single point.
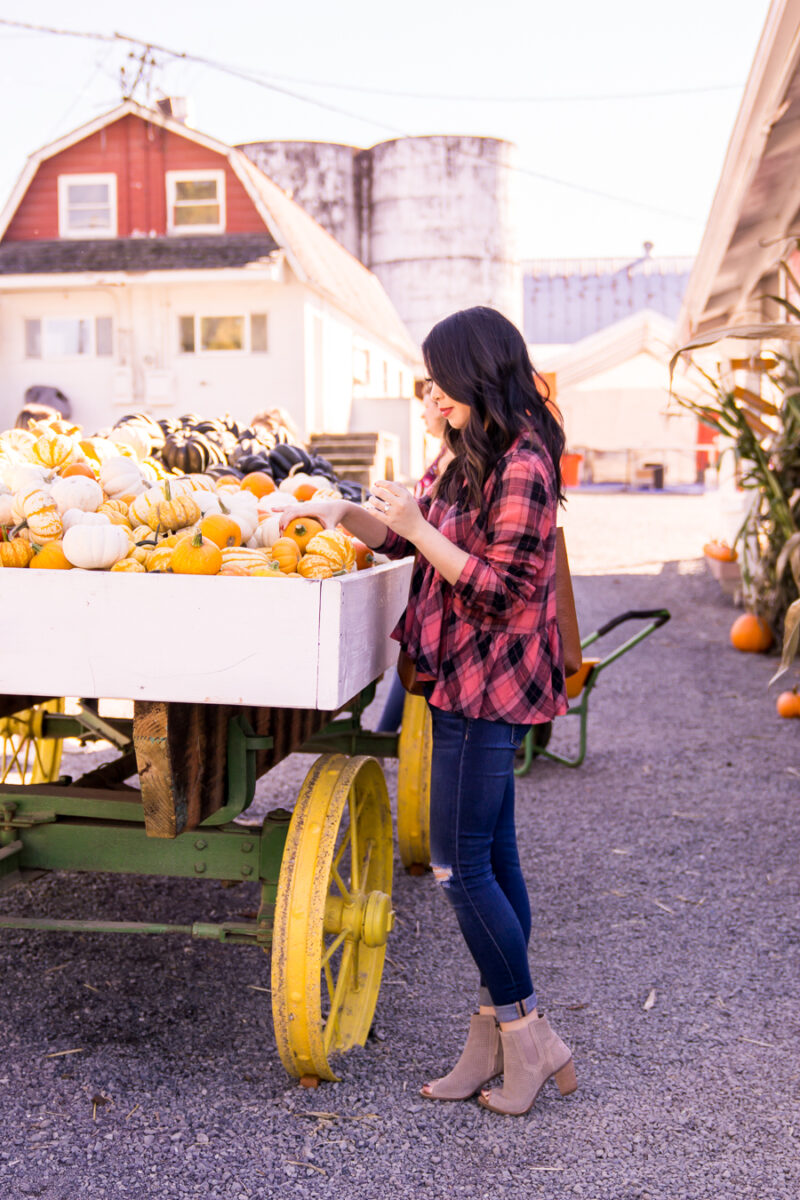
(407, 670)
(565, 609)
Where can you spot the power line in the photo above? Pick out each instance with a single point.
(555, 98)
(260, 80)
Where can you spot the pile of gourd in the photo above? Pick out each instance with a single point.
(105, 503)
(220, 446)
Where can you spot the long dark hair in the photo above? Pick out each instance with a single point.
(479, 358)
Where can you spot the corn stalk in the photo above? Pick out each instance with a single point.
(763, 431)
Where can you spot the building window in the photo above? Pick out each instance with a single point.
(68, 337)
(360, 366)
(196, 201)
(197, 333)
(87, 206)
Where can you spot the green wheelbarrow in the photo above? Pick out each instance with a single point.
(580, 687)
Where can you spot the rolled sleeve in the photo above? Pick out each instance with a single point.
(503, 581)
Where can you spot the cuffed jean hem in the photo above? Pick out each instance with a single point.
(512, 1012)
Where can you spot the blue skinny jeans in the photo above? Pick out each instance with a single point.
(474, 851)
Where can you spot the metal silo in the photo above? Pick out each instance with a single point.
(322, 178)
(441, 231)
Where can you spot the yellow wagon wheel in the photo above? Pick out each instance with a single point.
(333, 914)
(25, 756)
(414, 784)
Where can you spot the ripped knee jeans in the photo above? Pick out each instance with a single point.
(474, 851)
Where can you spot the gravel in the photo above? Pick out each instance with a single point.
(664, 882)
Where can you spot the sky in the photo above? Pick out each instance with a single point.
(604, 163)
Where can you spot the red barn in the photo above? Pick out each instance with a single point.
(144, 265)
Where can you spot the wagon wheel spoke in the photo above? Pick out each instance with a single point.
(333, 1025)
(25, 756)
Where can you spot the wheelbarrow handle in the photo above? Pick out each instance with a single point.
(659, 616)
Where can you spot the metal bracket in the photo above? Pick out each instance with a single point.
(241, 765)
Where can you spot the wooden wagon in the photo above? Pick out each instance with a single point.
(227, 678)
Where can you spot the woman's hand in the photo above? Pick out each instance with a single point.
(329, 513)
(397, 509)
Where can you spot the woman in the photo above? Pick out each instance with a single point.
(481, 628)
(435, 425)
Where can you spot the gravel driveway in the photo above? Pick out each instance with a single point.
(664, 882)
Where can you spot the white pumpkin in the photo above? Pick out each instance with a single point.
(26, 477)
(293, 481)
(7, 508)
(267, 532)
(134, 437)
(77, 491)
(121, 476)
(243, 508)
(95, 547)
(274, 502)
(77, 516)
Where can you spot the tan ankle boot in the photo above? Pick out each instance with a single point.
(532, 1053)
(481, 1059)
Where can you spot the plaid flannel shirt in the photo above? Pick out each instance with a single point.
(490, 641)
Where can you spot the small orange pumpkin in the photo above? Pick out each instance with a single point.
(269, 569)
(751, 633)
(302, 529)
(364, 556)
(286, 553)
(335, 547)
(50, 556)
(160, 559)
(788, 704)
(14, 552)
(221, 530)
(257, 482)
(720, 550)
(314, 566)
(77, 468)
(196, 556)
(304, 491)
(128, 565)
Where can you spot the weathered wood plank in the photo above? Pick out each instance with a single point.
(181, 753)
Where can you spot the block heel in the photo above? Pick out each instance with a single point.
(566, 1078)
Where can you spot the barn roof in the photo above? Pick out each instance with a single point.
(316, 258)
(643, 332)
(66, 257)
(755, 213)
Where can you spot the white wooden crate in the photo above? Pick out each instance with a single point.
(284, 643)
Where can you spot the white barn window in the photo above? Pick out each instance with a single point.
(56, 338)
(87, 206)
(195, 201)
(211, 334)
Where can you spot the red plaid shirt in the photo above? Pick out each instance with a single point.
(490, 641)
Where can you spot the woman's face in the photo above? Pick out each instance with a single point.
(432, 419)
(456, 414)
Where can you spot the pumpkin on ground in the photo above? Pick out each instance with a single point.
(720, 551)
(788, 704)
(751, 633)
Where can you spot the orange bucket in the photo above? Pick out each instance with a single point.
(570, 469)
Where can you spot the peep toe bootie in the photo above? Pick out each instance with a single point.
(532, 1053)
(481, 1059)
